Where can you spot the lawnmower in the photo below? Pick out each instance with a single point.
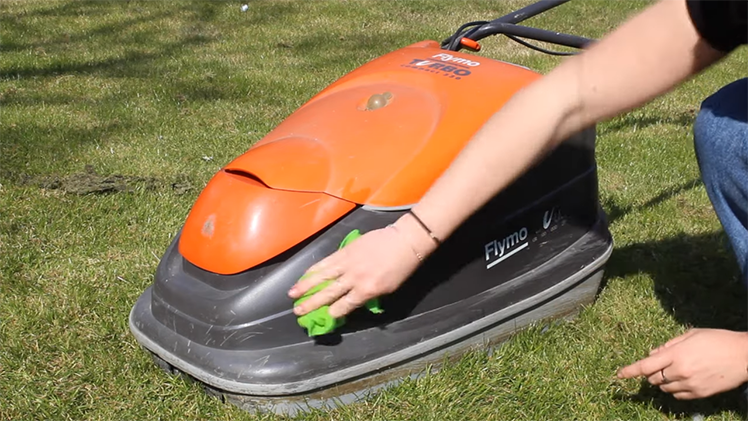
(356, 156)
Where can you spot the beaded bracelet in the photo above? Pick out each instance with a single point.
(419, 256)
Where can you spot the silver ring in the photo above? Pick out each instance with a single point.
(664, 379)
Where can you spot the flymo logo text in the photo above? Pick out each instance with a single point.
(449, 58)
(445, 64)
(503, 248)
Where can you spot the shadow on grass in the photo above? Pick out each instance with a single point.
(638, 121)
(150, 38)
(145, 38)
(131, 64)
(614, 211)
(196, 9)
(696, 279)
(134, 62)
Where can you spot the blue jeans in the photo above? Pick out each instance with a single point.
(721, 142)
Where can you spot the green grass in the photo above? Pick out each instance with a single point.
(172, 90)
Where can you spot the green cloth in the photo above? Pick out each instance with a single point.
(319, 321)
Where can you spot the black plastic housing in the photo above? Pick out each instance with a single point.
(238, 333)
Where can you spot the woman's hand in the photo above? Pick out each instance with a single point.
(697, 364)
(375, 264)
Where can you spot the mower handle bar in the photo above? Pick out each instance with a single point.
(495, 28)
(529, 11)
(507, 25)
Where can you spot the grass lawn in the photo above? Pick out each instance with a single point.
(114, 115)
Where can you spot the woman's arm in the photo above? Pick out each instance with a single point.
(644, 58)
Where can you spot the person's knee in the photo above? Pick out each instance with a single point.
(719, 128)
